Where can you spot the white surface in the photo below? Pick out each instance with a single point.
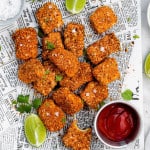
(146, 81)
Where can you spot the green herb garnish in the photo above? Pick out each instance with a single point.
(127, 94)
(50, 45)
(128, 19)
(136, 36)
(47, 72)
(24, 108)
(23, 99)
(58, 77)
(40, 33)
(36, 103)
(102, 103)
(14, 102)
(0, 48)
(63, 120)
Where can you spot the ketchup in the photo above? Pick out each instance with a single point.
(117, 122)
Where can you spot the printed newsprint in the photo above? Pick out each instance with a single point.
(129, 59)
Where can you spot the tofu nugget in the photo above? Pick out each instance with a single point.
(25, 43)
(53, 40)
(51, 115)
(30, 71)
(83, 75)
(65, 61)
(102, 48)
(107, 71)
(74, 38)
(49, 17)
(76, 138)
(103, 19)
(67, 101)
(94, 93)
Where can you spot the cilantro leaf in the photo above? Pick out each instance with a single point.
(50, 46)
(24, 108)
(102, 103)
(36, 103)
(63, 120)
(127, 94)
(47, 72)
(23, 99)
(14, 102)
(136, 36)
(58, 77)
(40, 33)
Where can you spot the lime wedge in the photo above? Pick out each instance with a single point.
(35, 130)
(147, 65)
(75, 6)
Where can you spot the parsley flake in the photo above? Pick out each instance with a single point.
(136, 36)
(36, 103)
(63, 120)
(50, 46)
(47, 72)
(129, 19)
(127, 94)
(58, 77)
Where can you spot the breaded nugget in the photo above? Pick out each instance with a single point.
(30, 71)
(53, 40)
(49, 17)
(65, 61)
(76, 138)
(107, 71)
(94, 93)
(103, 19)
(51, 115)
(74, 38)
(102, 48)
(83, 75)
(67, 101)
(25, 43)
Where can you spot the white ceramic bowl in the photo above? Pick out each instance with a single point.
(11, 20)
(148, 14)
(134, 132)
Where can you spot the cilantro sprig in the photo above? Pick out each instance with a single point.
(50, 46)
(58, 77)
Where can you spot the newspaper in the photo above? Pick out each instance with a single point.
(130, 65)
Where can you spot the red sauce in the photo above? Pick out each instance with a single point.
(117, 122)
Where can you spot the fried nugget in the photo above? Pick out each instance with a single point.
(30, 71)
(83, 75)
(49, 17)
(65, 61)
(94, 93)
(53, 40)
(102, 48)
(67, 101)
(107, 71)
(103, 19)
(76, 138)
(25, 43)
(74, 38)
(51, 115)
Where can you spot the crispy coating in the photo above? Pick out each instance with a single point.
(30, 71)
(51, 115)
(49, 17)
(94, 93)
(74, 38)
(25, 43)
(53, 38)
(103, 19)
(76, 138)
(107, 71)
(65, 61)
(68, 101)
(102, 48)
(83, 75)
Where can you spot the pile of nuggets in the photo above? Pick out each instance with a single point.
(60, 66)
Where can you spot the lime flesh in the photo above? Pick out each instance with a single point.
(35, 130)
(147, 65)
(75, 6)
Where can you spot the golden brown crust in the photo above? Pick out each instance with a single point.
(107, 71)
(103, 19)
(49, 17)
(74, 38)
(30, 71)
(52, 38)
(83, 75)
(102, 48)
(76, 138)
(65, 61)
(67, 101)
(25, 43)
(94, 93)
(51, 115)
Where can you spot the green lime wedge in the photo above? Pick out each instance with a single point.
(75, 6)
(147, 65)
(35, 130)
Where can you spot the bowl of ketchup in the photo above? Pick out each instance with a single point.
(117, 124)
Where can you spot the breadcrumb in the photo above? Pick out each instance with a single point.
(67, 101)
(107, 71)
(103, 19)
(76, 138)
(51, 115)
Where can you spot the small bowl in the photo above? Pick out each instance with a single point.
(148, 14)
(117, 124)
(11, 20)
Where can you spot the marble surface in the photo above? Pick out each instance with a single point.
(145, 51)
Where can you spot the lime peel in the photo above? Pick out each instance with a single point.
(147, 65)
